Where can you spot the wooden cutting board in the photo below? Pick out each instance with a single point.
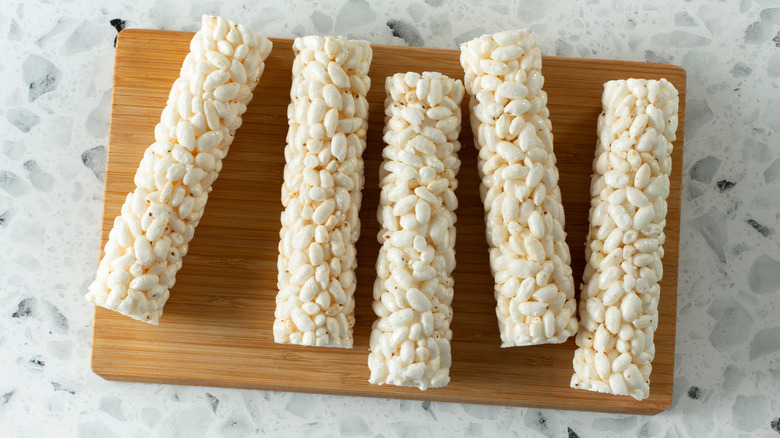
(216, 330)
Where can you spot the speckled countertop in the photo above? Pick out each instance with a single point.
(55, 92)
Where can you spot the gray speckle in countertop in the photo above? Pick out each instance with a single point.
(684, 19)
(98, 119)
(212, 401)
(750, 412)
(112, 405)
(41, 75)
(764, 275)
(766, 341)
(764, 231)
(704, 169)
(84, 37)
(40, 180)
(712, 227)
(536, 420)
(59, 387)
(95, 160)
(725, 184)
(24, 309)
(322, 22)
(407, 32)
(563, 48)
(775, 425)
(353, 14)
(698, 114)
(352, 425)
(4, 217)
(741, 69)
(118, 24)
(12, 184)
(13, 149)
(55, 96)
(23, 119)
(732, 323)
(694, 392)
(5, 398)
(652, 56)
(681, 38)
(772, 171)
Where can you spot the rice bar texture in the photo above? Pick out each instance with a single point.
(629, 187)
(321, 193)
(158, 219)
(524, 218)
(410, 339)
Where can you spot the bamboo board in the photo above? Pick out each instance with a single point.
(217, 326)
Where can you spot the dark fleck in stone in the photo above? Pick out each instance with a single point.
(774, 424)
(25, 308)
(4, 216)
(119, 24)
(95, 160)
(38, 362)
(40, 75)
(426, 405)
(542, 421)
(572, 434)
(59, 319)
(694, 392)
(58, 387)
(724, 185)
(741, 69)
(776, 39)
(7, 396)
(434, 3)
(407, 32)
(213, 402)
(765, 231)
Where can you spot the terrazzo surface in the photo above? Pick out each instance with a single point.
(55, 95)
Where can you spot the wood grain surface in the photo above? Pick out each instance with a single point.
(217, 325)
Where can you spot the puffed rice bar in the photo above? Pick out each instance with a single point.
(524, 217)
(410, 340)
(323, 179)
(148, 240)
(619, 300)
